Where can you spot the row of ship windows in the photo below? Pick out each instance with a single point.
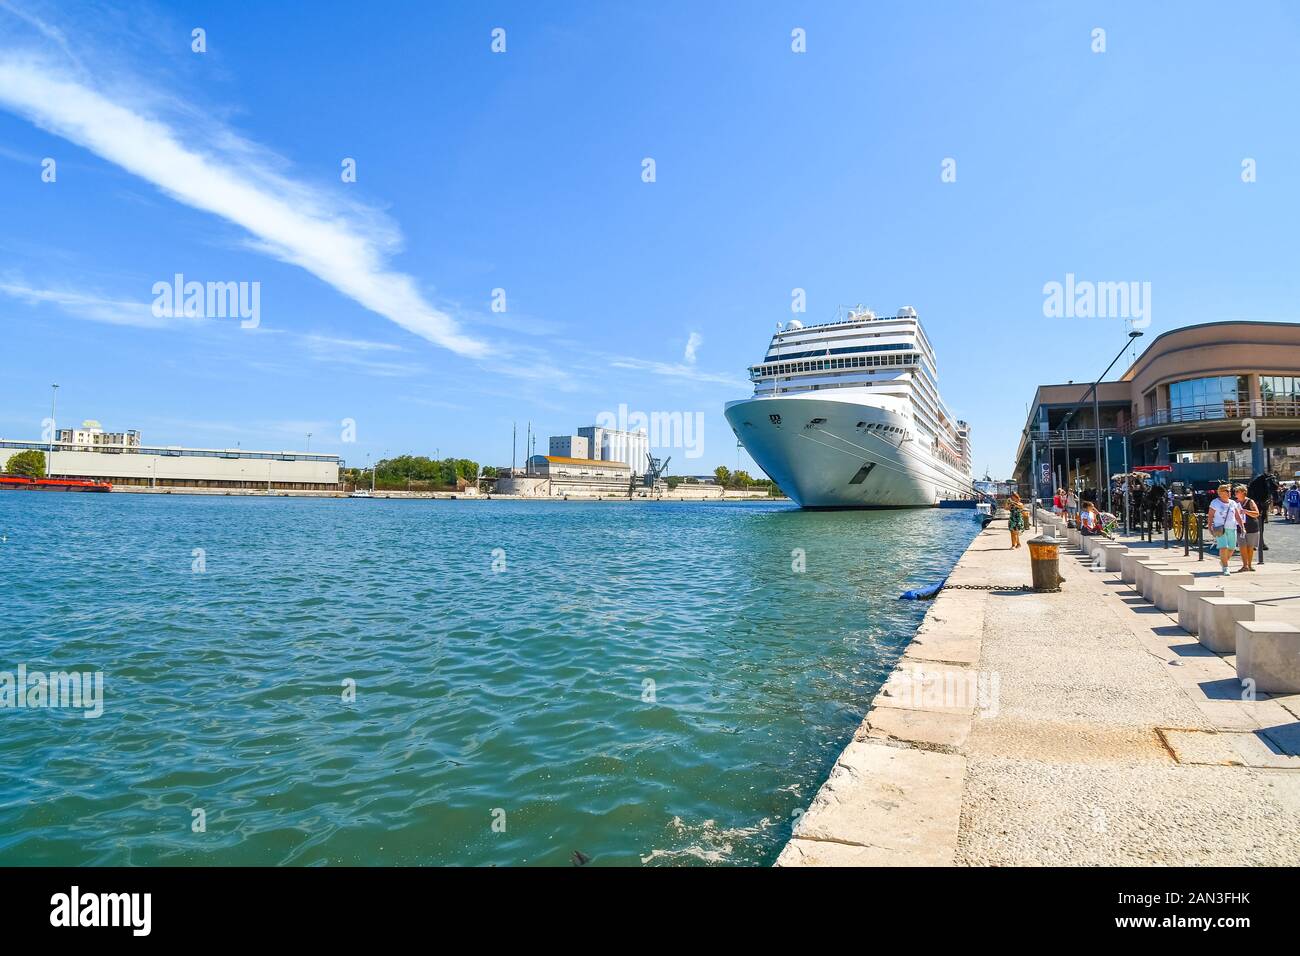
(858, 361)
(881, 427)
(844, 350)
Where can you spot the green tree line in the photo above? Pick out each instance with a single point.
(727, 478)
(417, 473)
(29, 464)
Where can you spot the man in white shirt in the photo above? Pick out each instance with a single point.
(1224, 518)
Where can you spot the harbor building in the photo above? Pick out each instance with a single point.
(570, 446)
(561, 468)
(1222, 392)
(131, 463)
(610, 444)
(555, 476)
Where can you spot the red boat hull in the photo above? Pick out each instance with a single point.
(18, 483)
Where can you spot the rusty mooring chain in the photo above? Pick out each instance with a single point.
(994, 587)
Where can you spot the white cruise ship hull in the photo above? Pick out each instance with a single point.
(855, 457)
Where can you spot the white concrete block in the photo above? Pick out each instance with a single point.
(1165, 585)
(1114, 553)
(1268, 653)
(1142, 575)
(1189, 608)
(1217, 627)
(1128, 565)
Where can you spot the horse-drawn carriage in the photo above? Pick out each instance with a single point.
(1157, 505)
(1180, 505)
(1190, 503)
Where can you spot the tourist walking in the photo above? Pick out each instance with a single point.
(1249, 541)
(1017, 518)
(1224, 518)
(1292, 502)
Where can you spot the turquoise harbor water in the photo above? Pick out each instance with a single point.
(516, 696)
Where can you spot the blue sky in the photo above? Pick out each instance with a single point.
(522, 171)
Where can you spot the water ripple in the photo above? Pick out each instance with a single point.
(649, 684)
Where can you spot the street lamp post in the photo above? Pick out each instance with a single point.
(1069, 488)
(1096, 420)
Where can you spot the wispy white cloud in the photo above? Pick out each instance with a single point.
(89, 306)
(44, 28)
(213, 170)
(358, 354)
(692, 344)
(328, 342)
(196, 160)
(678, 370)
(249, 434)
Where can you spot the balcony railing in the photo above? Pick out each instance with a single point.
(1081, 435)
(1223, 411)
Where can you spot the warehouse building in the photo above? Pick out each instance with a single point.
(134, 464)
(554, 476)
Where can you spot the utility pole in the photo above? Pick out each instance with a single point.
(1069, 488)
(514, 444)
(1033, 479)
(54, 404)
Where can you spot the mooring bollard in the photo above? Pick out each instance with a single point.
(1045, 563)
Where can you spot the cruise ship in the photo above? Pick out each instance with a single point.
(847, 414)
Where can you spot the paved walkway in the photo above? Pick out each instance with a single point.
(1083, 727)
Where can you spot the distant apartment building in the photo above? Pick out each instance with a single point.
(92, 435)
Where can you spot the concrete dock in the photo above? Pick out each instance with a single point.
(1083, 727)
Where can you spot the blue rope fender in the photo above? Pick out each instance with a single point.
(922, 594)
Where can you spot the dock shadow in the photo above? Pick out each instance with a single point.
(1192, 649)
(1283, 740)
(1144, 608)
(1228, 688)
